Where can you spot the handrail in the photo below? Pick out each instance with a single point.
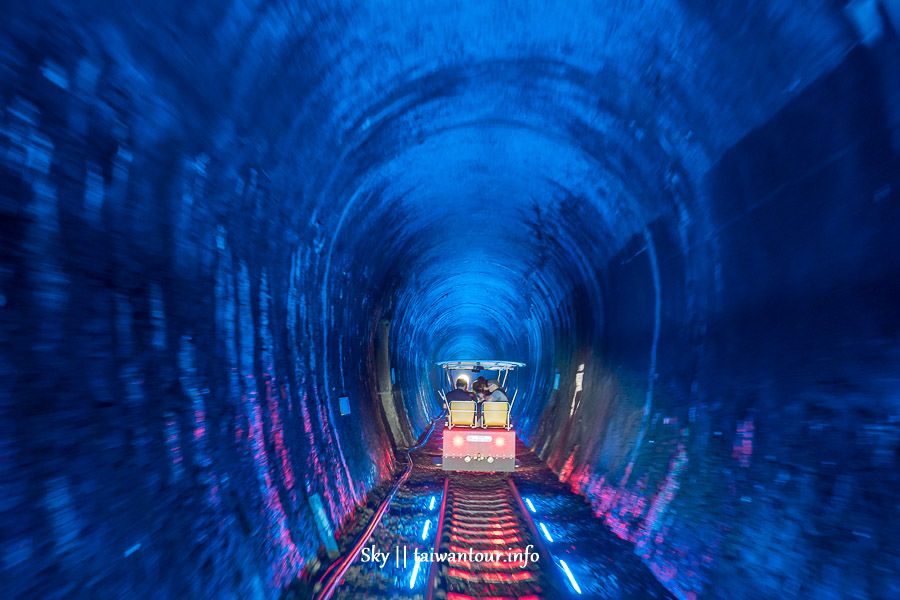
(328, 587)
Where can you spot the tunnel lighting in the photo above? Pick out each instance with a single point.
(412, 580)
(568, 574)
(530, 505)
(546, 533)
(458, 441)
(431, 506)
(425, 529)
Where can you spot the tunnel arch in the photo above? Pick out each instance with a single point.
(424, 137)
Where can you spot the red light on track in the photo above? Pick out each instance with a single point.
(507, 540)
(455, 596)
(465, 512)
(488, 508)
(461, 574)
(465, 551)
(511, 530)
(496, 565)
(490, 577)
(497, 541)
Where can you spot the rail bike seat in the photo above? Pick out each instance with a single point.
(462, 413)
(495, 414)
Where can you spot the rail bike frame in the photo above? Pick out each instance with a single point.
(478, 448)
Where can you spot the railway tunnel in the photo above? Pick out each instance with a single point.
(237, 235)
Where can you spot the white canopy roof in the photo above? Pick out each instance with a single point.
(490, 365)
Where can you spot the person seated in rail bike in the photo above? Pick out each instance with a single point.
(463, 407)
(461, 393)
(479, 386)
(495, 408)
(496, 393)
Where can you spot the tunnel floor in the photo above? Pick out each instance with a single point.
(602, 564)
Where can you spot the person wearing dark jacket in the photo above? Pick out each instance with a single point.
(460, 394)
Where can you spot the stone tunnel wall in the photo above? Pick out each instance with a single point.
(769, 451)
(168, 422)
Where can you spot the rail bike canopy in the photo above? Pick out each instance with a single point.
(469, 369)
(476, 366)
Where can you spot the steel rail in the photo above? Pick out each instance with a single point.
(556, 586)
(328, 587)
(432, 571)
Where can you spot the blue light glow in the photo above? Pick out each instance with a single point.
(530, 505)
(431, 506)
(567, 571)
(425, 529)
(412, 580)
(546, 533)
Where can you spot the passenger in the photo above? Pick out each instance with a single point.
(479, 386)
(496, 393)
(460, 393)
(461, 414)
(495, 408)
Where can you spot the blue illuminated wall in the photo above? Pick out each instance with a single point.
(206, 208)
(762, 456)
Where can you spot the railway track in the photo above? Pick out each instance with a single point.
(481, 541)
(486, 546)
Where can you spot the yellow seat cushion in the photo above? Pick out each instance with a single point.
(495, 414)
(462, 413)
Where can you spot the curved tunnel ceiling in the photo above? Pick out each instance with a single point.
(482, 173)
(468, 140)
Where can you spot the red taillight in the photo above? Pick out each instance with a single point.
(458, 441)
(500, 441)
